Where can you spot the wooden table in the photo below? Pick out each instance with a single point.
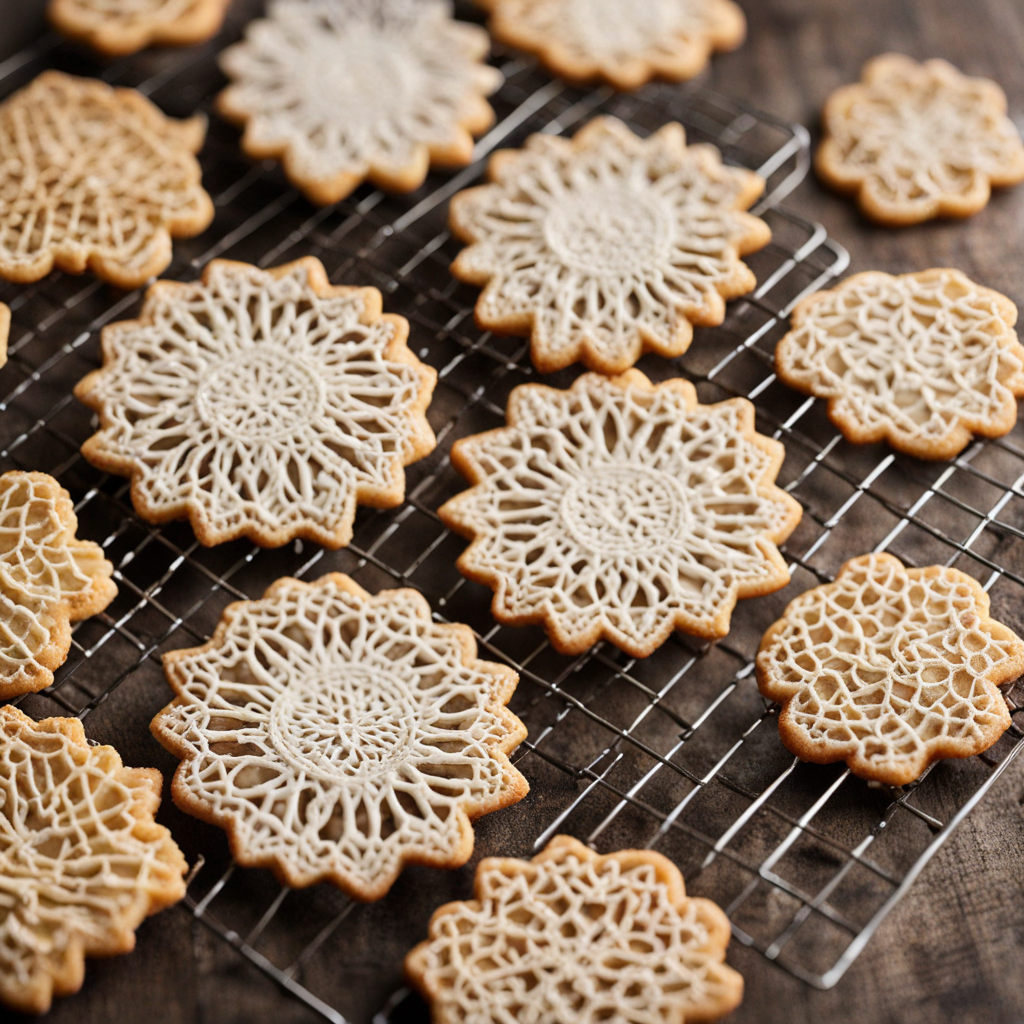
(951, 951)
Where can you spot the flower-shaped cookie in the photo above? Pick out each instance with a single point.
(622, 510)
(889, 669)
(916, 141)
(346, 90)
(571, 936)
(82, 862)
(48, 579)
(260, 404)
(607, 245)
(338, 736)
(924, 361)
(95, 177)
(624, 43)
(116, 27)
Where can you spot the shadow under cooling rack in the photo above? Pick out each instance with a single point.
(676, 752)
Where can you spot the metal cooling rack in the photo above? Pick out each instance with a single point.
(676, 752)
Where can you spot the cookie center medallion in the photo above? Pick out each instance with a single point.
(349, 722)
(260, 395)
(609, 230)
(621, 510)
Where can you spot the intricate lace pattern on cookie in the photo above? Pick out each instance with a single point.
(622, 510)
(626, 44)
(916, 141)
(260, 404)
(924, 360)
(48, 579)
(573, 936)
(344, 90)
(889, 669)
(338, 736)
(117, 27)
(82, 862)
(607, 245)
(95, 177)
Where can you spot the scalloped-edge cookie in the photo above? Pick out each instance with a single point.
(621, 510)
(82, 861)
(573, 936)
(260, 403)
(380, 731)
(889, 669)
(924, 361)
(342, 91)
(607, 245)
(48, 579)
(625, 44)
(119, 27)
(102, 180)
(917, 141)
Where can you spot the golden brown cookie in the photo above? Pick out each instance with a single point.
(889, 669)
(260, 403)
(621, 510)
(381, 725)
(82, 862)
(571, 936)
(607, 245)
(917, 141)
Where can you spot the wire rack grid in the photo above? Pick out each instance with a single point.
(676, 752)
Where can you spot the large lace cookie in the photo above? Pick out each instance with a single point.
(571, 936)
(607, 245)
(82, 862)
(48, 579)
(260, 404)
(346, 90)
(116, 27)
(624, 43)
(338, 736)
(889, 669)
(622, 510)
(916, 141)
(924, 361)
(95, 177)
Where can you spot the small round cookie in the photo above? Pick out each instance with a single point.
(82, 861)
(342, 91)
(95, 177)
(625, 44)
(917, 141)
(119, 27)
(571, 936)
(622, 510)
(924, 361)
(260, 403)
(889, 669)
(380, 733)
(607, 245)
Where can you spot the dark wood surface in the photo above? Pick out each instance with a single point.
(952, 950)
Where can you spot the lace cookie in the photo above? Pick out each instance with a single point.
(626, 44)
(260, 404)
(95, 177)
(573, 936)
(48, 579)
(82, 862)
(621, 510)
(338, 736)
(917, 141)
(607, 245)
(889, 669)
(346, 90)
(117, 27)
(924, 361)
